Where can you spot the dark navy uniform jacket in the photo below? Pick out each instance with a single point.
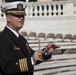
(15, 54)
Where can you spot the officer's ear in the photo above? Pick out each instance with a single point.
(8, 16)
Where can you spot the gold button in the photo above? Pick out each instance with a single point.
(16, 63)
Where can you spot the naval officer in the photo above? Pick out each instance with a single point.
(16, 56)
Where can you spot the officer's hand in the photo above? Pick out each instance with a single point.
(37, 55)
(50, 48)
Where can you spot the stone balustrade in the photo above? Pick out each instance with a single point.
(50, 16)
(49, 9)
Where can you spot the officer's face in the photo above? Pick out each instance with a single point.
(15, 21)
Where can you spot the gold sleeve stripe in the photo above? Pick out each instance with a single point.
(20, 64)
(23, 65)
(26, 65)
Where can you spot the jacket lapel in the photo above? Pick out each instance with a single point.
(18, 41)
